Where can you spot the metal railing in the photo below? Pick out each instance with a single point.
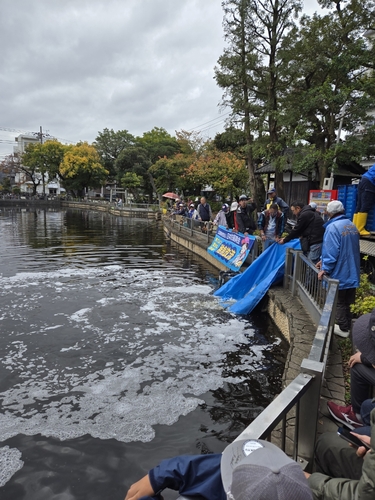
(204, 232)
(298, 403)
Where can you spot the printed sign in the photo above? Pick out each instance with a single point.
(231, 249)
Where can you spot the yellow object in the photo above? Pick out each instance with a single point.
(361, 223)
(355, 219)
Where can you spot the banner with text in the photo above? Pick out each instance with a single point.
(231, 249)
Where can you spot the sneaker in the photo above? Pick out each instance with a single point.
(341, 333)
(344, 414)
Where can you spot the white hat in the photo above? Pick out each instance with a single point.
(233, 206)
(257, 469)
(335, 207)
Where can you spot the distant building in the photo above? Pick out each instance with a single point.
(52, 186)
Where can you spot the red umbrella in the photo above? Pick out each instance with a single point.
(172, 196)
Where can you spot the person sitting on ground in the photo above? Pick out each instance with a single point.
(309, 228)
(221, 219)
(244, 215)
(231, 216)
(273, 198)
(362, 372)
(343, 472)
(250, 469)
(271, 225)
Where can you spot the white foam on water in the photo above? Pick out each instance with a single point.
(10, 463)
(147, 352)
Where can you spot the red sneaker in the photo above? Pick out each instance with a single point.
(344, 414)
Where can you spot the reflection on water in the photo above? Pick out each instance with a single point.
(114, 355)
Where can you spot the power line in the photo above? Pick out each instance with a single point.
(213, 120)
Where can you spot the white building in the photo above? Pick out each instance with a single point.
(52, 187)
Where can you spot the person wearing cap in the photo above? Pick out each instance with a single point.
(271, 225)
(343, 472)
(250, 469)
(181, 210)
(362, 373)
(309, 229)
(231, 216)
(193, 216)
(244, 215)
(341, 261)
(365, 200)
(221, 219)
(273, 198)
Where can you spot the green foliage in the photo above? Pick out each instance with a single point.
(110, 144)
(81, 168)
(131, 181)
(158, 143)
(365, 298)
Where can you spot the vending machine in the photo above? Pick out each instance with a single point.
(322, 197)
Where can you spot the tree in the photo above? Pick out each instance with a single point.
(131, 181)
(110, 144)
(168, 174)
(329, 61)
(158, 143)
(222, 170)
(81, 169)
(43, 159)
(250, 71)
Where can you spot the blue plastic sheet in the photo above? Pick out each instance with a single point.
(248, 288)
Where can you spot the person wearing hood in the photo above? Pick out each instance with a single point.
(341, 261)
(309, 228)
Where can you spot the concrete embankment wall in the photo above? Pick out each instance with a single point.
(126, 211)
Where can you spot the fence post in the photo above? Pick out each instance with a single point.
(308, 411)
(288, 267)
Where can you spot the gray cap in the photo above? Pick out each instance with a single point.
(258, 470)
(364, 335)
(335, 207)
(243, 197)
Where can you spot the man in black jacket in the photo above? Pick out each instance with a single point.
(244, 216)
(309, 228)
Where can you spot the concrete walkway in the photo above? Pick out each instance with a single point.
(297, 326)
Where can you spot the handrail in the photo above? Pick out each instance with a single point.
(303, 393)
(204, 232)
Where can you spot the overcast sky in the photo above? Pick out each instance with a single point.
(75, 67)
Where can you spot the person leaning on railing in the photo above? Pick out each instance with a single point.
(250, 469)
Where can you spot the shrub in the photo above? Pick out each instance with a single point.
(365, 299)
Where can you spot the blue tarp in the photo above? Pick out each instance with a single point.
(248, 288)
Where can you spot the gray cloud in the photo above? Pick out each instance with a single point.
(76, 67)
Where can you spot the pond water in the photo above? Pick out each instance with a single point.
(114, 355)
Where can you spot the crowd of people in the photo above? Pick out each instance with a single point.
(341, 471)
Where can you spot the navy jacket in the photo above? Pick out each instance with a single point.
(190, 475)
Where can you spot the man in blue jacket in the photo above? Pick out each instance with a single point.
(248, 469)
(341, 261)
